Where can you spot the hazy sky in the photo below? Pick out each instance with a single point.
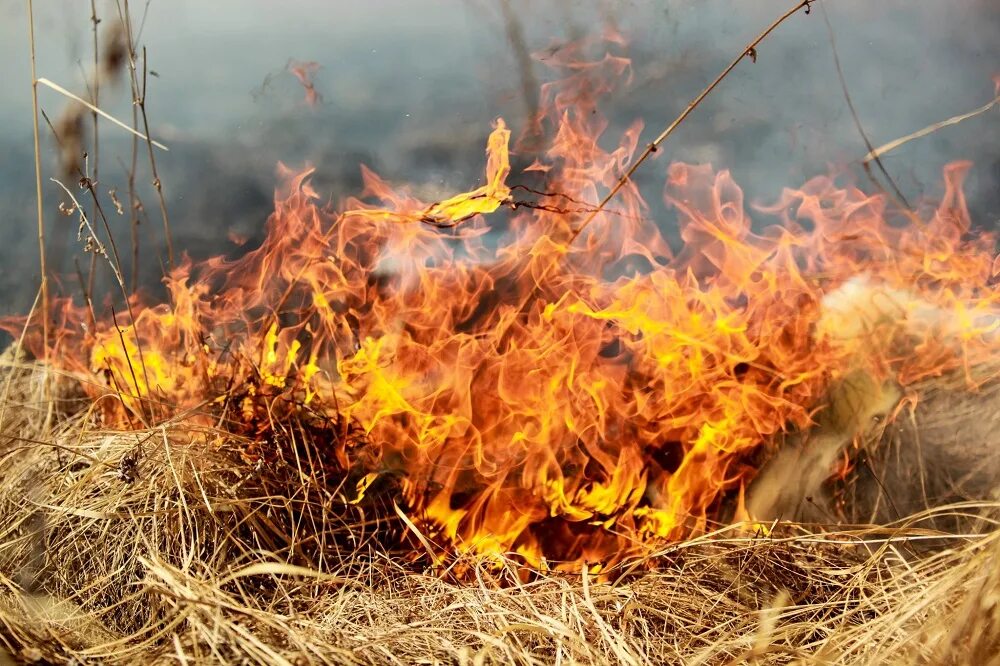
(903, 56)
(411, 87)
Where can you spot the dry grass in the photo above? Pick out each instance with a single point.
(164, 546)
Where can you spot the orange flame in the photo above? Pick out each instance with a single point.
(565, 402)
(304, 72)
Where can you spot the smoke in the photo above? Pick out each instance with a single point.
(954, 452)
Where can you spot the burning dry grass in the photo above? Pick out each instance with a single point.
(164, 545)
(261, 540)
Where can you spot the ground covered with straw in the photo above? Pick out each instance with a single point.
(170, 546)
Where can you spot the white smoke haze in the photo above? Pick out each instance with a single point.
(791, 484)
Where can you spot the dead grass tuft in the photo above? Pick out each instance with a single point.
(165, 545)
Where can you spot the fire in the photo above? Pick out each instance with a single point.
(304, 72)
(565, 398)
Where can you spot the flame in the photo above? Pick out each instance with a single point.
(304, 72)
(563, 401)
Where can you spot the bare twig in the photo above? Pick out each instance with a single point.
(749, 51)
(157, 183)
(96, 89)
(134, 204)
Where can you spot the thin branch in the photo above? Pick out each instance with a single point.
(142, 22)
(134, 203)
(157, 183)
(749, 51)
(88, 288)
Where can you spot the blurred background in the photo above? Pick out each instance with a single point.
(410, 88)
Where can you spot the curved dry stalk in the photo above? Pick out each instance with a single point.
(896, 192)
(876, 153)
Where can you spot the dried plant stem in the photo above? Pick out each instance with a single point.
(139, 100)
(114, 261)
(88, 287)
(85, 288)
(157, 183)
(38, 184)
(749, 50)
(93, 234)
(91, 274)
(896, 192)
(94, 109)
(94, 175)
(875, 153)
(134, 205)
(18, 346)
